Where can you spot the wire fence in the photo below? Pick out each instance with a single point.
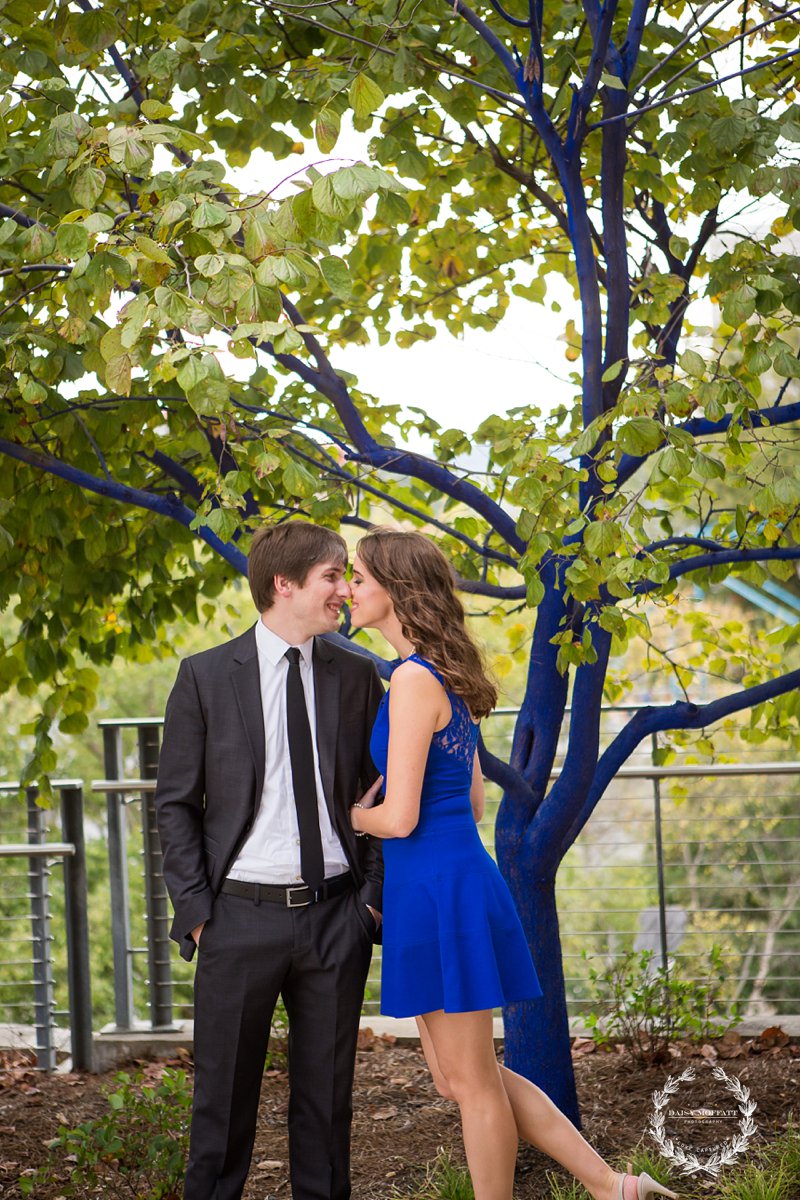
(679, 856)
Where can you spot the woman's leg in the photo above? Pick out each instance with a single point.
(545, 1127)
(460, 1051)
(538, 1122)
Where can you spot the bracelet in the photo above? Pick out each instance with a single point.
(359, 832)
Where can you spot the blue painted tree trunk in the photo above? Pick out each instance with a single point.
(537, 1039)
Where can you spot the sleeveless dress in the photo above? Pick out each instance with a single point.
(452, 939)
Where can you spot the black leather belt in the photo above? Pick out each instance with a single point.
(290, 896)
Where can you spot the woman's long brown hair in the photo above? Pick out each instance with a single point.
(422, 588)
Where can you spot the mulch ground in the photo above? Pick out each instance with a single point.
(401, 1123)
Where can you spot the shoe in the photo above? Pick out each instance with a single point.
(647, 1188)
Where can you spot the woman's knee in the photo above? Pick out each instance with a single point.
(442, 1084)
(456, 1083)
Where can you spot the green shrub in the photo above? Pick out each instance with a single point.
(136, 1149)
(645, 1006)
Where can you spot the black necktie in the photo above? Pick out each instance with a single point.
(301, 755)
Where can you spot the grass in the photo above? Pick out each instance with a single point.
(443, 1181)
(785, 1153)
(774, 1175)
(560, 1190)
(757, 1183)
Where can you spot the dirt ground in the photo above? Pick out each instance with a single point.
(401, 1123)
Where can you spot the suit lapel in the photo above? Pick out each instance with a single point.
(247, 686)
(326, 703)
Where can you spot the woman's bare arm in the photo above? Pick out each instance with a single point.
(418, 705)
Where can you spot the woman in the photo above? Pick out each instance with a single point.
(453, 946)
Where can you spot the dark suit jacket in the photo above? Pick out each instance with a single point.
(211, 769)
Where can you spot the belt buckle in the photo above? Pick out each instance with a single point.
(300, 903)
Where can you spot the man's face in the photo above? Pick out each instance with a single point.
(317, 605)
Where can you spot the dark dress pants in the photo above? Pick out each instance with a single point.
(316, 958)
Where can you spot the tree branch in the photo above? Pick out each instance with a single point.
(701, 427)
(503, 775)
(339, 473)
(681, 715)
(703, 87)
(721, 558)
(491, 39)
(632, 44)
(20, 217)
(185, 479)
(330, 384)
(601, 23)
(166, 506)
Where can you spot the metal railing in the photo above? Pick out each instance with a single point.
(119, 794)
(40, 855)
(654, 896)
(671, 896)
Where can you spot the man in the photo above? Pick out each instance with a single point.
(266, 746)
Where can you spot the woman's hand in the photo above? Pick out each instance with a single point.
(371, 795)
(367, 801)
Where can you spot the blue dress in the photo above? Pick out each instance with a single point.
(452, 939)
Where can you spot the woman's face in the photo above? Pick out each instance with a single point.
(370, 605)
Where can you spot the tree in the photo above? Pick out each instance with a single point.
(618, 147)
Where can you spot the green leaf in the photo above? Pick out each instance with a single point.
(72, 241)
(223, 522)
(326, 199)
(210, 264)
(193, 371)
(365, 96)
(96, 29)
(154, 110)
(118, 375)
(208, 215)
(298, 481)
(534, 590)
(326, 130)
(785, 363)
(336, 274)
(739, 305)
(602, 538)
(153, 251)
(613, 371)
(674, 463)
(705, 467)
(87, 186)
(693, 364)
(134, 315)
(640, 435)
(354, 183)
(127, 148)
(208, 398)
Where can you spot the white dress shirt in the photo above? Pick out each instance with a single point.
(271, 851)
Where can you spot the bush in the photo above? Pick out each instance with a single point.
(136, 1150)
(645, 1006)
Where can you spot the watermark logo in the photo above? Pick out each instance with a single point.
(718, 1153)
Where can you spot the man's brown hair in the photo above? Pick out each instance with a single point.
(290, 549)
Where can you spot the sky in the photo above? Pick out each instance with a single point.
(459, 381)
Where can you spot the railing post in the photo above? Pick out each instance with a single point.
(118, 882)
(77, 922)
(43, 998)
(156, 899)
(662, 901)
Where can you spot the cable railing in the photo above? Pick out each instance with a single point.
(30, 994)
(651, 870)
